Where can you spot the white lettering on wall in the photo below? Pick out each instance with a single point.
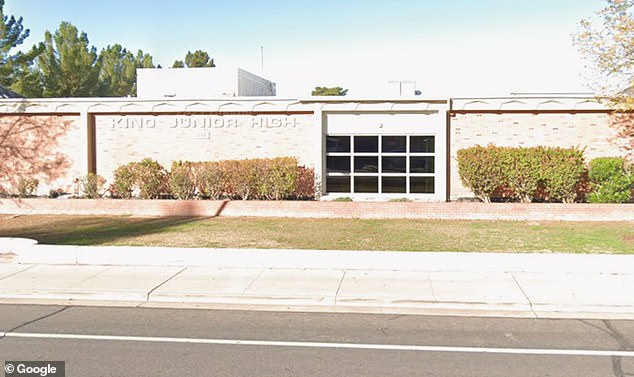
(277, 122)
(133, 122)
(200, 125)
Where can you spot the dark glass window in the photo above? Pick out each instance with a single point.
(338, 164)
(421, 164)
(362, 171)
(338, 184)
(366, 184)
(421, 185)
(393, 184)
(421, 144)
(393, 144)
(393, 164)
(363, 164)
(366, 144)
(338, 144)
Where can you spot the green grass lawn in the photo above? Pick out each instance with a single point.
(344, 234)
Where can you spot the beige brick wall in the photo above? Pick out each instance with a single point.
(591, 131)
(62, 135)
(167, 138)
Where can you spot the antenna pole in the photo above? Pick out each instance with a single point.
(262, 58)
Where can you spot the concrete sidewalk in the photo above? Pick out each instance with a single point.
(521, 285)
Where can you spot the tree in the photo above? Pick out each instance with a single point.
(325, 91)
(144, 60)
(70, 68)
(118, 70)
(610, 50)
(16, 68)
(28, 80)
(196, 59)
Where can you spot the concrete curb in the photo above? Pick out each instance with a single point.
(316, 304)
(30, 252)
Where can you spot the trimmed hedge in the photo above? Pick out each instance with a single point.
(562, 173)
(124, 181)
(182, 182)
(152, 179)
(611, 180)
(522, 174)
(305, 184)
(277, 178)
(147, 177)
(210, 179)
(263, 178)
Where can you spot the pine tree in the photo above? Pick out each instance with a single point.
(16, 68)
(70, 68)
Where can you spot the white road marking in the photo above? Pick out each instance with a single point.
(387, 347)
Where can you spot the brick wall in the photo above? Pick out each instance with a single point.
(167, 138)
(316, 209)
(591, 131)
(67, 142)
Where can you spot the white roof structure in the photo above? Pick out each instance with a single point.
(200, 83)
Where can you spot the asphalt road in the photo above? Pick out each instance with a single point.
(111, 341)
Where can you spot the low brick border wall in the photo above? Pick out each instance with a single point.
(316, 209)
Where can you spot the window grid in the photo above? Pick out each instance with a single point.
(379, 154)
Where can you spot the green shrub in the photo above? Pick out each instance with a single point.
(481, 171)
(151, 179)
(124, 182)
(611, 180)
(27, 187)
(210, 179)
(522, 171)
(562, 174)
(147, 176)
(400, 200)
(92, 186)
(522, 174)
(181, 180)
(277, 177)
(262, 178)
(242, 178)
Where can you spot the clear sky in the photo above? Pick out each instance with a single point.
(450, 48)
